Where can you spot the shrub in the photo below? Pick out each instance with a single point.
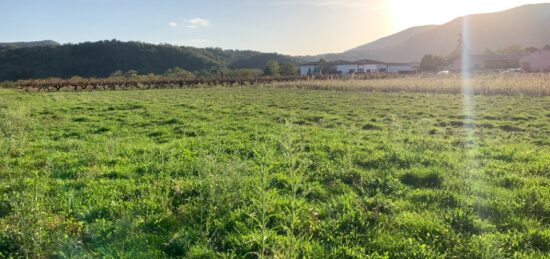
(8, 84)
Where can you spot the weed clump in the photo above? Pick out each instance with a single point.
(172, 121)
(510, 128)
(463, 221)
(371, 126)
(10, 247)
(101, 130)
(538, 240)
(5, 208)
(422, 179)
(181, 243)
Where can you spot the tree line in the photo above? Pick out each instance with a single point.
(434, 63)
(271, 69)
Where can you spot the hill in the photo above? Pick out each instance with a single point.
(525, 26)
(30, 44)
(100, 59)
(371, 49)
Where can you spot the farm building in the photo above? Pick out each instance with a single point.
(538, 61)
(343, 67)
(310, 68)
(489, 62)
(401, 68)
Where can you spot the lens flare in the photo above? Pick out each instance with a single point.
(466, 72)
(470, 163)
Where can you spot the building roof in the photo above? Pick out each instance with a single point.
(401, 64)
(337, 62)
(367, 62)
(341, 62)
(310, 64)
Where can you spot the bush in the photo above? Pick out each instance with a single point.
(8, 84)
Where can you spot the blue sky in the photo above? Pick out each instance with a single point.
(297, 27)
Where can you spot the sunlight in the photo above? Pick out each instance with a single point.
(404, 14)
(466, 82)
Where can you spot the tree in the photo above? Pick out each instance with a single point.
(288, 69)
(457, 52)
(272, 68)
(432, 63)
(511, 50)
(131, 73)
(179, 73)
(8, 84)
(117, 73)
(247, 73)
(531, 49)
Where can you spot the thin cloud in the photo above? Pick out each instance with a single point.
(197, 22)
(173, 24)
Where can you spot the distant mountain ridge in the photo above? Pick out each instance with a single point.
(29, 44)
(526, 26)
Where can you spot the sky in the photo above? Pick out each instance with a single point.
(295, 27)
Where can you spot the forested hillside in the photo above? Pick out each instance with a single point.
(29, 44)
(101, 59)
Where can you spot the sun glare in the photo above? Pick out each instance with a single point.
(404, 14)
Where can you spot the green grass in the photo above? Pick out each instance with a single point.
(203, 173)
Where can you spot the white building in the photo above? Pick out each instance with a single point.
(309, 69)
(401, 68)
(342, 67)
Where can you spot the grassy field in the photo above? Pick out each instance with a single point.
(284, 173)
